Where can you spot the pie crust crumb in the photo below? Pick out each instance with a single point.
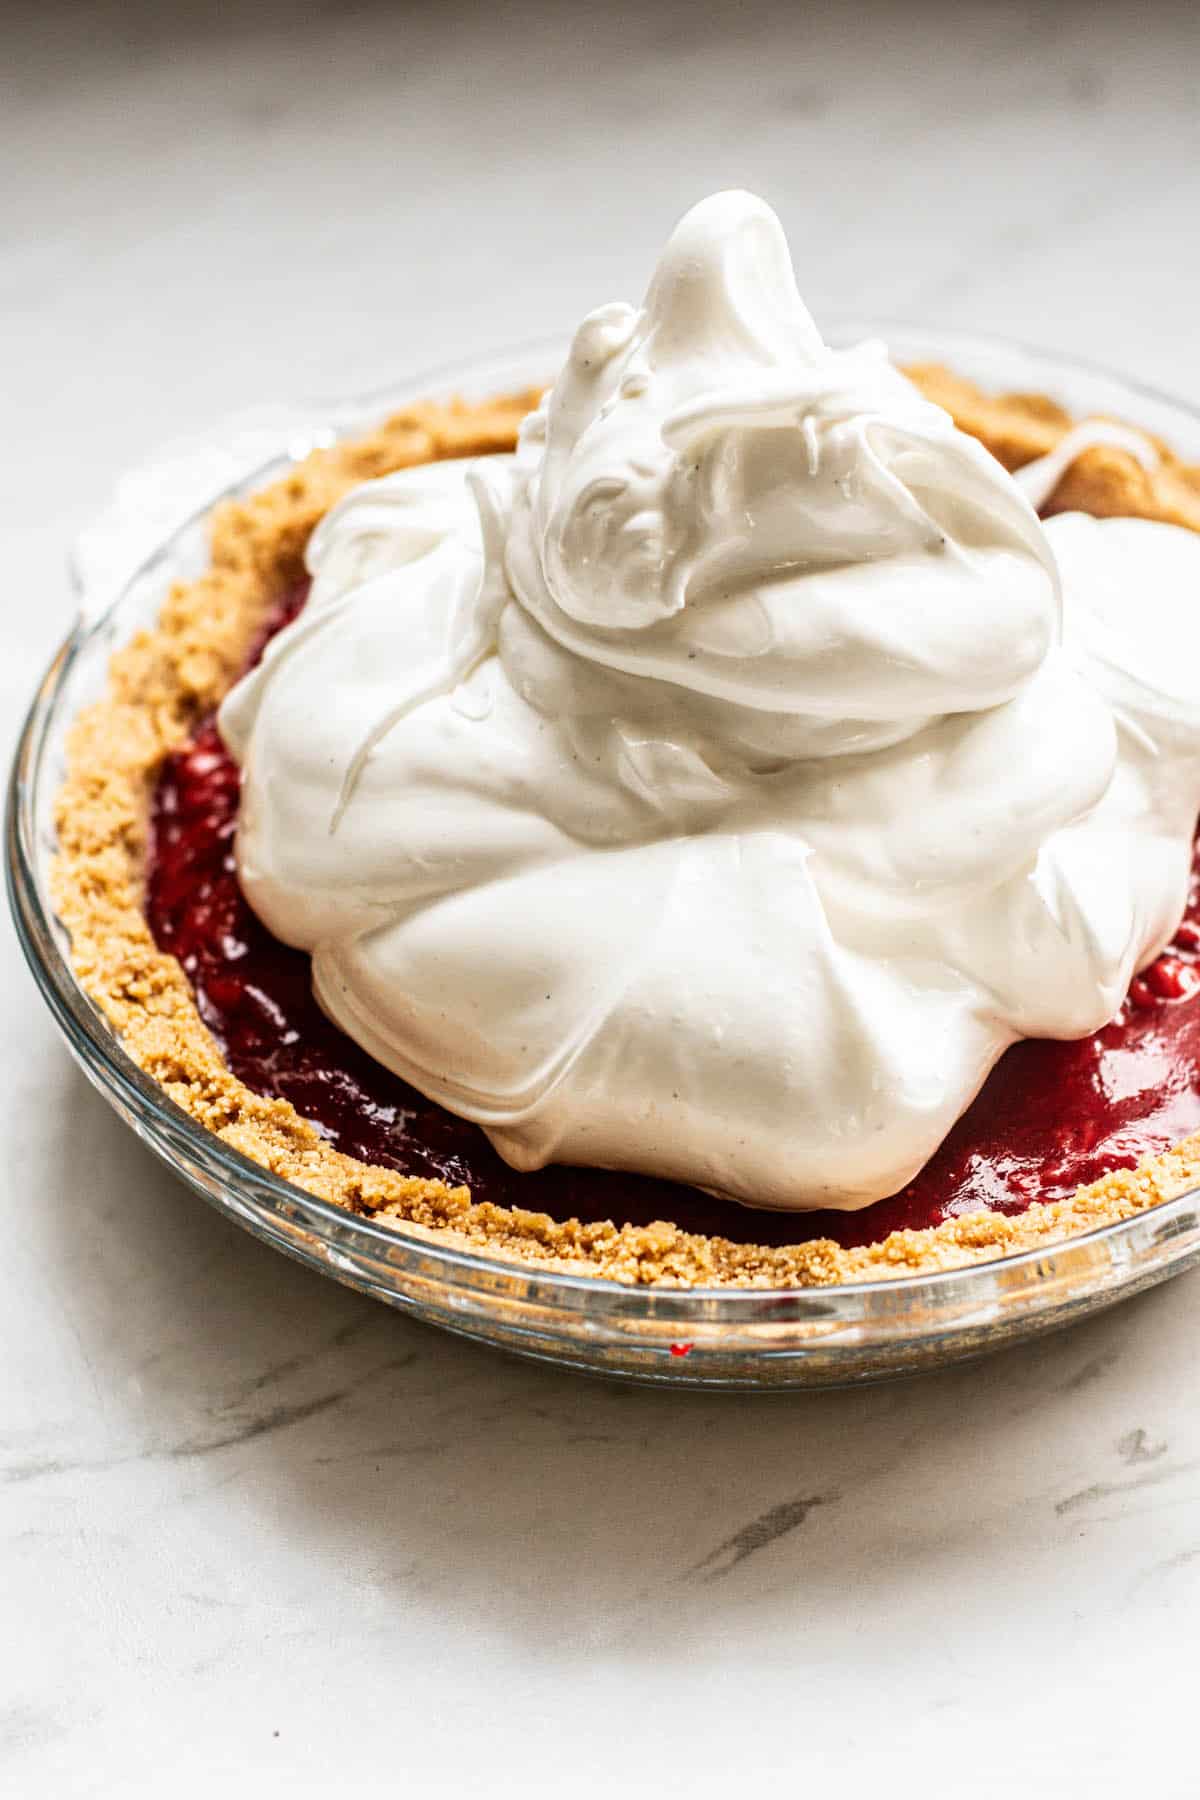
(170, 676)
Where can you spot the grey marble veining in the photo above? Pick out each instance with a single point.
(256, 1530)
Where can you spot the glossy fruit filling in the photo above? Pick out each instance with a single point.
(1050, 1117)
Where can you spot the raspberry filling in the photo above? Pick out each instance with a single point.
(1051, 1116)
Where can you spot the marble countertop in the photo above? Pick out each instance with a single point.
(258, 1531)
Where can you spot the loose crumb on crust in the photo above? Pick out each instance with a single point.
(168, 677)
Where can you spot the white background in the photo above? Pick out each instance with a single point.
(257, 1533)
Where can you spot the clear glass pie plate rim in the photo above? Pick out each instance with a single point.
(734, 1337)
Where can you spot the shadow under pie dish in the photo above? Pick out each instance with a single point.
(363, 1177)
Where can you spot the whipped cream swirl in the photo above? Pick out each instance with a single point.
(717, 787)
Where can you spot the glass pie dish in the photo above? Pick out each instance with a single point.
(154, 535)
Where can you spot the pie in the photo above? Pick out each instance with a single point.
(1064, 1137)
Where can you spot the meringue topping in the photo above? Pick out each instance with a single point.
(718, 786)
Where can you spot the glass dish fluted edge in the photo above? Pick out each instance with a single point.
(719, 1337)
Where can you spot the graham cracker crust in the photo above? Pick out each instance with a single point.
(170, 676)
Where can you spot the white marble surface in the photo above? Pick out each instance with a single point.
(259, 1532)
